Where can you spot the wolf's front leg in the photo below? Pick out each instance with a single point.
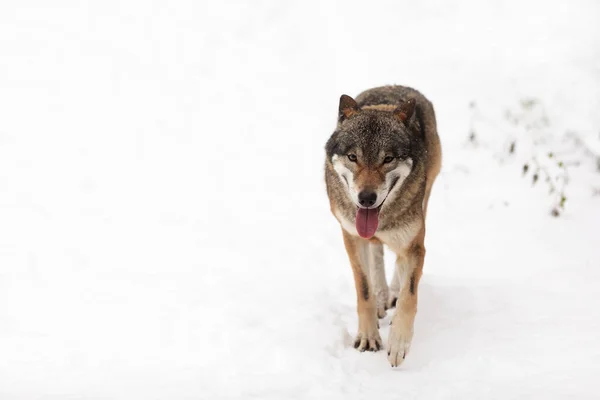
(368, 333)
(409, 267)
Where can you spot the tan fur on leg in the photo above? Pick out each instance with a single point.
(410, 268)
(368, 334)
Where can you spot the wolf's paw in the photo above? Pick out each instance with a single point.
(398, 344)
(392, 300)
(370, 342)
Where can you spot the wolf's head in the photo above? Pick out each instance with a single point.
(373, 152)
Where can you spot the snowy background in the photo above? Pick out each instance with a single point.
(164, 228)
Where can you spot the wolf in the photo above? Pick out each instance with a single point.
(381, 162)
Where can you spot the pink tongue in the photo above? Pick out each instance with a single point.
(367, 221)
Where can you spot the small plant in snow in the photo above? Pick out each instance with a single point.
(530, 140)
(543, 166)
(554, 174)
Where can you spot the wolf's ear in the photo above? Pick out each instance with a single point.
(405, 111)
(348, 107)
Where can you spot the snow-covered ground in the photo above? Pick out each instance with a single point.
(164, 229)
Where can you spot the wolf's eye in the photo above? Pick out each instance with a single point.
(388, 159)
(352, 157)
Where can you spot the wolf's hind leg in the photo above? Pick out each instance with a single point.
(394, 289)
(380, 286)
(368, 333)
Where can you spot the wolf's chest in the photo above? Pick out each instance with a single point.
(400, 237)
(397, 238)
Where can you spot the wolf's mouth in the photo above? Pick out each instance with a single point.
(367, 219)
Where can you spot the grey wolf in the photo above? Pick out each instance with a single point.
(381, 162)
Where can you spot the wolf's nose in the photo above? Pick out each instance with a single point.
(367, 199)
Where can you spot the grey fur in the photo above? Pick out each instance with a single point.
(375, 137)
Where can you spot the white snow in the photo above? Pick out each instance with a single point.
(164, 228)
